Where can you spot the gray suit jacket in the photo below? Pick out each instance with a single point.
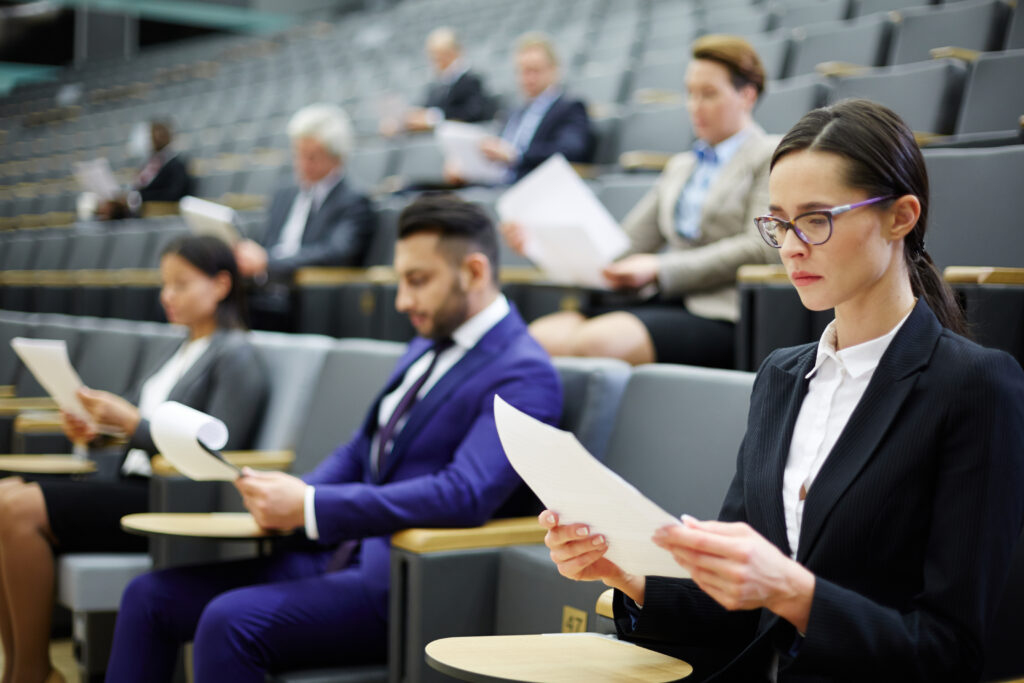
(338, 233)
(703, 272)
(229, 382)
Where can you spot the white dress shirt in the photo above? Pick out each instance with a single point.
(155, 391)
(838, 381)
(465, 336)
(307, 200)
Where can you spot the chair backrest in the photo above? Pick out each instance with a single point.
(976, 205)
(19, 253)
(52, 252)
(975, 24)
(353, 373)
(421, 161)
(863, 41)
(1015, 31)
(784, 102)
(163, 237)
(773, 48)
(592, 390)
(369, 164)
(89, 250)
(620, 192)
(926, 95)
(107, 358)
(381, 251)
(130, 249)
(293, 363)
(9, 361)
(677, 434)
(659, 128)
(994, 96)
(793, 14)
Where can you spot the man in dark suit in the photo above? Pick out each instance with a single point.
(456, 95)
(548, 122)
(163, 178)
(324, 221)
(427, 454)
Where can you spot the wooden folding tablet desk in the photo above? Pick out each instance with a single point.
(552, 658)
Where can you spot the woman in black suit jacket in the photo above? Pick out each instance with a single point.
(880, 485)
(215, 370)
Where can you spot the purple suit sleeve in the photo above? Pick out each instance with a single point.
(344, 464)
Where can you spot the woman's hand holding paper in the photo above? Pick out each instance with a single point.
(109, 410)
(579, 555)
(633, 272)
(740, 568)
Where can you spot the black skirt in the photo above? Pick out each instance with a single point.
(85, 514)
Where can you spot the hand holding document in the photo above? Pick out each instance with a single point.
(460, 143)
(95, 176)
(210, 218)
(569, 234)
(189, 439)
(571, 482)
(47, 360)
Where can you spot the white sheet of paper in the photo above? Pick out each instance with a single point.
(47, 360)
(210, 218)
(460, 143)
(570, 481)
(569, 233)
(95, 176)
(180, 434)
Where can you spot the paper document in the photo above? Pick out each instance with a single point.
(48, 361)
(210, 218)
(569, 233)
(95, 176)
(571, 481)
(190, 440)
(460, 143)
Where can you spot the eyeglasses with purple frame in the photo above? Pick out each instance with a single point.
(767, 225)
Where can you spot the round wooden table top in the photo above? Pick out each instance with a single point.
(225, 526)
(552, 658)
(46, 464)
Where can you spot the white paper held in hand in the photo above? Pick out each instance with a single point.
(47, 360)
(186, 436)
(569, 233)
(210, 218)
(460, 143)
(571, 481)
(95, 176)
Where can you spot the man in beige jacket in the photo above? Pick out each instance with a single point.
(691, 232)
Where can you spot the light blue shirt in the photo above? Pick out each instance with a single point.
(522, 126)
(710, 162)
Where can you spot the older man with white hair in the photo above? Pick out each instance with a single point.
(323, 221)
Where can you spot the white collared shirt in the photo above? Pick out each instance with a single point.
(838, 382)
(465, 336)
(155, 391)
(306, 201)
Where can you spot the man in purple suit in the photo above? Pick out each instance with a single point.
(427, 455)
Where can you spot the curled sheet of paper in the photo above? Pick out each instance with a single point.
(571, 481)
(95, 176)
(190, 440)
(48, 361)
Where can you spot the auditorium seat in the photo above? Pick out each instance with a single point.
(1015, 31)
(656, 128)
(773, 48)
(926, 95)
(420, 162)
(784, 102)
(863, 42)
(972, 24)
(620, 192)
(793, 13)
(993, 101)
(659, 78)
(369, 164)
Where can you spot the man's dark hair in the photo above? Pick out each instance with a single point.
(464, 227)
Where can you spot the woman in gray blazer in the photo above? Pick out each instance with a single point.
(215, 370)
(690, 233)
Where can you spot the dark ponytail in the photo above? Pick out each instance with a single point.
(211, 256)
(883, 159)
